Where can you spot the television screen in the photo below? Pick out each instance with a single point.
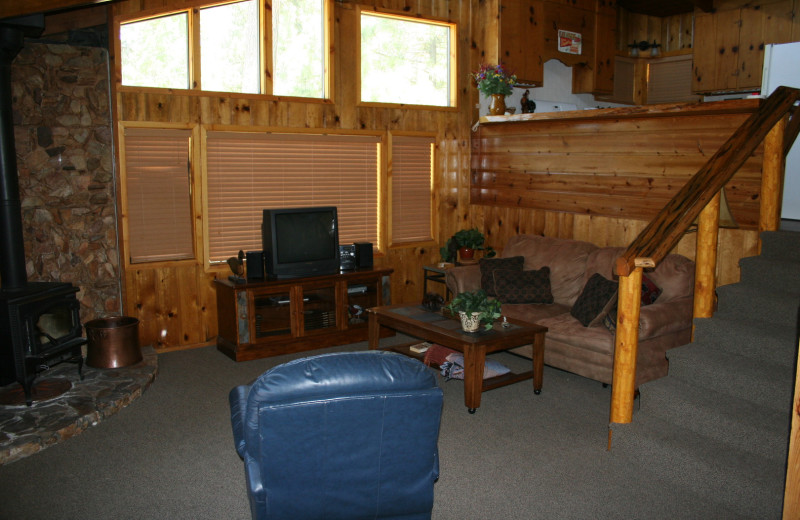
(301, 241)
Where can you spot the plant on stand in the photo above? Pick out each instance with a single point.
(475, 309)
(495, 82)
(464, 244)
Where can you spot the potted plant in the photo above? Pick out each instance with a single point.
(465, 243)
(475, 308)
(495, 82)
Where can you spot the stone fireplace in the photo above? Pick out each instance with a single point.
(57, 212)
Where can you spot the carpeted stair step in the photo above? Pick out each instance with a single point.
(763, 382)
(766, 306)
(776, 343)
(780, 244)
(737, 423)
(771, 274)
(739, 481)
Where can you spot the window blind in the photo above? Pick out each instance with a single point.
(158, 196)
(411, 174)
(249, 172)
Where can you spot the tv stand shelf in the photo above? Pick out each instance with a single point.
(274, 317)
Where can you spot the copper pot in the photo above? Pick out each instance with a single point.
(113, 342)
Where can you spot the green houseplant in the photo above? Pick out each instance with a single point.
(475, 309)
(465, 242)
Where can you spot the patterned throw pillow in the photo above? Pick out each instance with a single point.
(523, 286)
(597, 298)
(488, 265)
(650, 293)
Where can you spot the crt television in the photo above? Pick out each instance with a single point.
(300, 242)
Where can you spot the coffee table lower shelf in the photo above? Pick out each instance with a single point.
(417, 322)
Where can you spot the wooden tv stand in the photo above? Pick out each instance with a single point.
(261, 319)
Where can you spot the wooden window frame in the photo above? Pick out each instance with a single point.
(193, 155)
(266, 65)
(394, 241)
(453, 59)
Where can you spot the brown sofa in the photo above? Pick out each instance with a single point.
(589, 351)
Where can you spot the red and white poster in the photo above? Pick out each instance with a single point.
(569, 42)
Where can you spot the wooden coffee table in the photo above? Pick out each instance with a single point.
(416, 321)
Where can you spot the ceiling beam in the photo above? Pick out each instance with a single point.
(13, 8)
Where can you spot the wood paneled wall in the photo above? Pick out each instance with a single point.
(175, 301)
(605, 168)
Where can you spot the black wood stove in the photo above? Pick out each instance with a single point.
(39, 321)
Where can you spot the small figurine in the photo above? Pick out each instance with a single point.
(432, 301)
(528, 105)
(236, 263)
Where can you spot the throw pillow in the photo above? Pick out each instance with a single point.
(488, 266)
(597, 297)
(650, 293)
(523, 286)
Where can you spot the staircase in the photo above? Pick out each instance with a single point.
(720, 420)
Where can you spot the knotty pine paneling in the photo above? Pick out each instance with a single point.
(615, 167)
(176, 302)
(598, 179)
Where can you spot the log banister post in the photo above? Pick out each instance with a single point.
(626, 344)
(705, 266)
(769, 217)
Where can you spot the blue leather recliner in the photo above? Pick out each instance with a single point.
(340, 436)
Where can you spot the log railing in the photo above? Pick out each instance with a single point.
(699, 197)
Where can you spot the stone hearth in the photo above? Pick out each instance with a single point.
(25, 430)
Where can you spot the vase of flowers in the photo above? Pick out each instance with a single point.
(495, 82)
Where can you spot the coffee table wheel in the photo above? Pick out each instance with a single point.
(537, 392)
(471, 410)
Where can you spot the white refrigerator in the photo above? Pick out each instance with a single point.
(782, 67)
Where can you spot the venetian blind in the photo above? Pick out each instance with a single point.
(158, 196)
(249, 172)
(411, 174)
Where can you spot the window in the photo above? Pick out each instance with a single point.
(229, 43)
(223, 48)
(157, 194)
(249, 172)
(155, 52)
(406, 60)
(411, 174)
(298, 49)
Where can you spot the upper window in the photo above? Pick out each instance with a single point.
(298, 48)
(155, 52)
(407, 60)
(223, 48)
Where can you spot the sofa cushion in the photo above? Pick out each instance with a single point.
(650, 293)
(566, 259)
(488, 266)
(597, 298)
(523, 286)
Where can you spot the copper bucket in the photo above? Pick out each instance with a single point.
(113, 342)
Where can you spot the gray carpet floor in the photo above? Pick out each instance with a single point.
(707, 442)
(170, 454)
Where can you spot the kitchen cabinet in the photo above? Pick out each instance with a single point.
(729, 44)
(595, 75)
(519, 34)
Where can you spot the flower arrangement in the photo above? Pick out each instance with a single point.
(494, 79)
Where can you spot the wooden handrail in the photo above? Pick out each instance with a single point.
(698, 195)
(666, 229)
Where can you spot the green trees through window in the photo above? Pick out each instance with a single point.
(158, 52)
(405, 60)
(155, 52)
